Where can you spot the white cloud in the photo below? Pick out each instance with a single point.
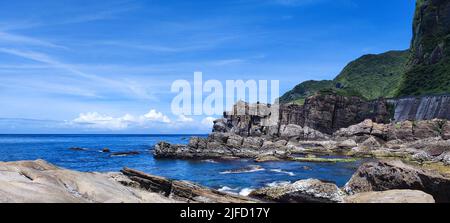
(208, 121)
(99, 121)
(153, 115)
(96, 120)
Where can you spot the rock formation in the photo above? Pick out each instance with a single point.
(389, 175)
(41, 182)
(391, 196)
(304, 191)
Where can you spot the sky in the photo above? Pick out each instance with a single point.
(107, 66)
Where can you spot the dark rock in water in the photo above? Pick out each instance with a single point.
(131, 153)
(182, 190)
(389, 175)
(304, 191)
(106, 150)
(78, 149)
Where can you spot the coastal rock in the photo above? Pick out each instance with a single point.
(182, 190)
(291, 131)
(304, 191)
(446, 131)
(235, 141)
(128, 153)
(40, 182)
(252, 142)
(391, 196)
(389, 175)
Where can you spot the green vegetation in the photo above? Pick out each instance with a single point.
(304, 90)
(323, 160)
(375, 76)
(429, 66)
(369, 77)
(422, 70)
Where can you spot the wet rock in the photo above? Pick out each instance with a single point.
(129, 153)
(106, 150)
(78, 149)
(389, 175)
(391, 196)
(182, 190)
(304, 191)
(267, 158)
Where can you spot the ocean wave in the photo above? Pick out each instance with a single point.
(236, 191)
(209, 161)
(246, 191)
(248, 169)
(278, 183)
(282, 171)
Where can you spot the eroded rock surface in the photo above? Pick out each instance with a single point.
(389, 175)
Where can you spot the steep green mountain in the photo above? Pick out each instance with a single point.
(304, 90)
(422, 70)
(375, 76)
(429, 66)
(369, 77)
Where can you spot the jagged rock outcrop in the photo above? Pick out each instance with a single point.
(303, 191)
(321, 113)
(391, 196)
(389, 175)
(41, 182)
(182, 190)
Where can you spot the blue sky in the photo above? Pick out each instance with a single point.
(107, 66)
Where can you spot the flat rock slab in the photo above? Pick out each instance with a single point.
(41, 182)
(391, 196)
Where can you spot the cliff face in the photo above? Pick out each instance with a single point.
(428, 70)
(422, 108)
(325, 113)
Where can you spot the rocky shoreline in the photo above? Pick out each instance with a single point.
(374, 182)
(423, 144)
(421, 141)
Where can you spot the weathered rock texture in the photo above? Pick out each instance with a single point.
(41, 182)
(389, 175)
(304, 191)
(421, 108)
(182, 190)
(323, 113)
(391, 196)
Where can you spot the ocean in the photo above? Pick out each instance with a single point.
(236, 176)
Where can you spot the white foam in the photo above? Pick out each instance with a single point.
(249, 169)
(246, 191)
(278, 183)
(282, 171)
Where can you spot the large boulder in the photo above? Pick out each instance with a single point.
(303, 191)
(389, 175)
(291, 131)
(391, 196)
(41, 182)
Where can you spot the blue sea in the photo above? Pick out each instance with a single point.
(223, 175)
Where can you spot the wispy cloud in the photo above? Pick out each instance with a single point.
(127, 86)
(9, 38)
